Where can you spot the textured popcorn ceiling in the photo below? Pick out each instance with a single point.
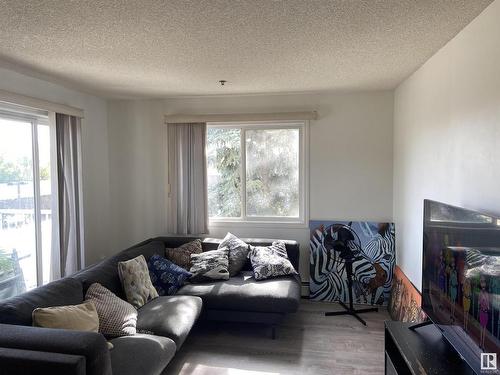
(164, 48)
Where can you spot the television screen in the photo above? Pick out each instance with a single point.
(461, 278)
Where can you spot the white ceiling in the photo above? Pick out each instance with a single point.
(169, 48)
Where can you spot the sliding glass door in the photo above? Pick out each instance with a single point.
(25, 202)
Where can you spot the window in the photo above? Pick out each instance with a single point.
(255, 172)
(25, 201)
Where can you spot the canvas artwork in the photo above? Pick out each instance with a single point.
(405, 300)
(372, 246)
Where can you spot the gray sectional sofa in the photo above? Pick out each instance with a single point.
(167, 320)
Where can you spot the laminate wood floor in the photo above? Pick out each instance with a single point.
(308, 343)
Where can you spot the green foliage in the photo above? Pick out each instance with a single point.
(45, 173)
(14, 172)
(272, 172)
(5, 262)
(20, 170)
(223, 154)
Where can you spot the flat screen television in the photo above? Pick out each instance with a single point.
(461, 278)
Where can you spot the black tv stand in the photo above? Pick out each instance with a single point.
(413, 327)
(422, 352)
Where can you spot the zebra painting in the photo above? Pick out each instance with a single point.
(373, 247)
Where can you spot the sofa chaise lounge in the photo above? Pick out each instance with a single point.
(166, 321)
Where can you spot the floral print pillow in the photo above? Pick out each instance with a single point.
(270, 261)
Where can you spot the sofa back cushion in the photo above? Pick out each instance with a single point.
(292, 247)
(18, 309)
(106, 272)
(148, 250)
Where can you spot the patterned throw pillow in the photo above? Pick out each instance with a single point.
(134, 275)
(116, 316)
(166, 276)
(238, 253)
(182, 254)
(210, 265)
(270, 261)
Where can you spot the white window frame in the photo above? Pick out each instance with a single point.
(256, 221)
(35, 118)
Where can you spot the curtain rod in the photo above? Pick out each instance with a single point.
(28, 101)
(233, 117)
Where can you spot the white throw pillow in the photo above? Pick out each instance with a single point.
(210, 265)
(270, 261)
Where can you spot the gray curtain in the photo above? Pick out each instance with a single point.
(69, 197)
(187, 178)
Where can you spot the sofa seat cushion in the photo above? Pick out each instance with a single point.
(141, 354)
(170, 316)
(244, 293)
(18, 309)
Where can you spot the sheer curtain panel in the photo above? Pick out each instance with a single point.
(68, 249)
(187, 178)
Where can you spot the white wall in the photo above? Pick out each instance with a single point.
(350, 159)
(447, 134)
(94, 150)
(137, 171)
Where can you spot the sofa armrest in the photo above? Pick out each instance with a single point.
(91, 346)
(22, 362)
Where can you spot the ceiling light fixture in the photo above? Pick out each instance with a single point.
(222, 82)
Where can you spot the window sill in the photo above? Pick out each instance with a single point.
(257, 224)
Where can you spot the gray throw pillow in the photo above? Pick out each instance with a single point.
(210, 265)
(116, 316)
(238, 253)
(270, 261)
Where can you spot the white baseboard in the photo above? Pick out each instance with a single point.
(304, 291)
